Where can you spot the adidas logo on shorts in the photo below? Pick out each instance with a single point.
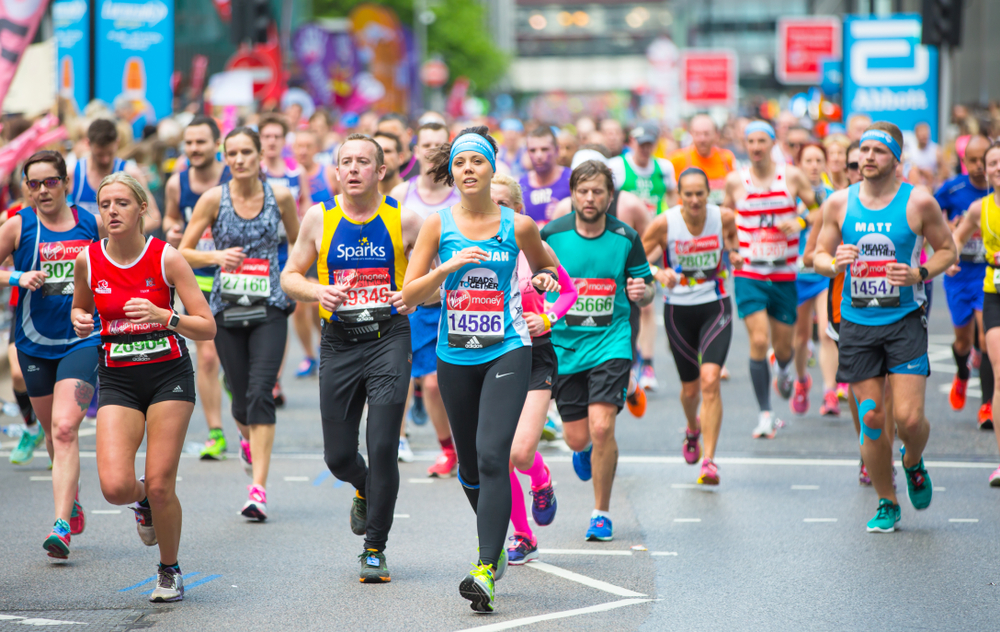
(244, 300)
(588, 322)
(364, 316)
(473, 344)
(178, 389)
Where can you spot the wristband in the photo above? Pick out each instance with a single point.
(15, 279)
(546, 320)
(654, 270)
(802, 222)
(548, 272)
(833, 266)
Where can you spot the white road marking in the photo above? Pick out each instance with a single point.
(664, 553)
(179, 479)
(963, 519)
(939, 489)
(106, 511)
(41, 478)
(687, 519)
(945, 389)
(582, 579)
(297, 479)
(517, 623)
(805, 487)
(37, 621)
(819, 520)
(400, 515)
(421, 480)
(685, 486)
(583, 552)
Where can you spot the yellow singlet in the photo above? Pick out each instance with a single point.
(989, 218)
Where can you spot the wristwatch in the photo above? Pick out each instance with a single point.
(173, 321)
(924, 273)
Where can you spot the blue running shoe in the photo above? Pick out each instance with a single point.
(600, 529)
(581, 463)
(543, 504)
(550, 431)
(918, 484)
(418, 414)
(307, 368)
(885, 518)
(522, 551)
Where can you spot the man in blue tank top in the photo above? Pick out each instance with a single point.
(874, 231)
(201, 140)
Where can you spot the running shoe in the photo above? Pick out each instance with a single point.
(445, 466)
(144, 524)
(918, 484)
(800, 400)
(479, 588)
(783, 385)
(57, 544)
(215, 447)
(885, 518)
(255, 507)
(404, 454)
(709, 473)
(418, 414)
(359, 514)
(77, 519)
(307, 368)
(278, 395)
(581, 463)
(863, 478)
(600, 529)
(25, 450)
(724, 373)
(957, 396)
(637, 403)
(524, 550)
(245, 458)
(842, 389)
(169, 586)
(550, 431)
(501, 565)
(831, 404)
(986, 416)
(692, 449)
(647, 378)
(373, 567)
(995, 478)
(543, 503)
(767, 425)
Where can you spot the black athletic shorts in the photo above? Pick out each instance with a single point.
(874, 351)
(606, 383)
(544, 365)
(141, 386)
(991, 311)
(41, 374)
(698, 334)
(377, 369)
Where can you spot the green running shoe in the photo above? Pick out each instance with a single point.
(478, 587)
(918, 484)
(359, 514)
(25, 450)
(215, 447)
(373, 568)
(885, 518)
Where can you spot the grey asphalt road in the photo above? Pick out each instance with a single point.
(779, 545)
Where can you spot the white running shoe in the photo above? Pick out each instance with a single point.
(169, 587)
(767, 425)
(405, 453)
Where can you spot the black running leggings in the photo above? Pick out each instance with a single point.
(251, 358)
(493, 392)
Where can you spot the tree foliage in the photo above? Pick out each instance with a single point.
(459, 35)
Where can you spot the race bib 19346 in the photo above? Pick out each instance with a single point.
(368, 291)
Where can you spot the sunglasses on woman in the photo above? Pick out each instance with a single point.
(853, 166)
(50, 183)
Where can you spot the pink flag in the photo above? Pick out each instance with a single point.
(26, 144)
(18, 22)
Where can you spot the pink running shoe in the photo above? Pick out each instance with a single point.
(256, 505)
(842, 390)
(800, 399)
(77, 519)
(445, 466)
(245, 457)
(709, 473)
(831, 405)
(692, 450)
(995, 478)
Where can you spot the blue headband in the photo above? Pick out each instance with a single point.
(759, 126)
(886, 139)
(476, 143)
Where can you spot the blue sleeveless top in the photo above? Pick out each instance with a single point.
(83, 195)
(319, 189)
(882, 236)
(482, 317)
(42, 324)
(187, 202)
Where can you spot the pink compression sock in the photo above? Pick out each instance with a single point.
(538, 472)
(518, 514)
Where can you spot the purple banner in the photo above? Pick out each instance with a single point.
(328, 64)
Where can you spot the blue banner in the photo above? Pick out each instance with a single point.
(71, 19)
(135, 53)
(888, 74)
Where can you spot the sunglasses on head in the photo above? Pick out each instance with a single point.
(50, 183)
(853, 166)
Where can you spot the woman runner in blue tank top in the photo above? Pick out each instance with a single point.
(484, 348)
(60, 369)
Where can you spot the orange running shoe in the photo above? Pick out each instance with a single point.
(957, 396)
(637, 403)
(986, 416)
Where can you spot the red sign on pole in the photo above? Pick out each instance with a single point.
(434, 73)
(710, 77)
(803, 44)
(264, 61)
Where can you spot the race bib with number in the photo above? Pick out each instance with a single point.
(595, 303)
(142, 351)
(368, 291)
(768, 246)
(699, 257)
(57, 259)
(475, 318)
(249, 284)
(974, 251)
(869, 285)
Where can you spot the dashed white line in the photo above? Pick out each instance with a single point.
(583, 579)
(517, 623)
(687, 519)
(583, 552)
(805, 487)
(421, 480)
(819, 520)
(684, 486)
(939, 489)
(400, 515)
(963, 519)
(109, 512)
(664, 553)
(41, 478)
(297, 479)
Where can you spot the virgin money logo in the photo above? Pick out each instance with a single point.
(459, 300)
(346, 277)
(122, 326)
(52, 251)
(859, 269)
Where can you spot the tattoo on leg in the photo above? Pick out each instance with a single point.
(83, 393)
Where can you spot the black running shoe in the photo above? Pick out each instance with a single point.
(373, 568)
(359, 515)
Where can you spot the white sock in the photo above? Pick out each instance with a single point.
(600, 514)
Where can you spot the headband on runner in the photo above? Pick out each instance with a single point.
(759, 126)
(886, 139)
(476, 143)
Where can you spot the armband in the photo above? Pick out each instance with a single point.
(545, 319)
(15, 279)
(833, 266)
(802, 222)
(813, 206)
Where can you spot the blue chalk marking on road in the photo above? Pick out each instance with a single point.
(201, 581)
(325, 474)
(146, 592)
(338, 483)
(863, 409)
(142, 583)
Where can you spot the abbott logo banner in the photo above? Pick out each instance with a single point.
(888, 74)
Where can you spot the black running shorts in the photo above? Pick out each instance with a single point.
(698, 334)
(606, 383)
(991, 311)
(874, 351)
(141, 386)
(544, 365)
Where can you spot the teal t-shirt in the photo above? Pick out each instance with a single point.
(597, 328)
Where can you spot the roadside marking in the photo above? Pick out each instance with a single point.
(36, 621)
(146, 592)
(425, 481)
(517, 623)
(106, 511)
(963, 519)
(296, 479)
(142, 583)
(584, 552)
(203, 580)
(805, 487)
(687, 519)
(179, 479)
(819, 520)
(939, 489)
(582, 579)
(400, 515)
(664, 553)
(325, 474)
(685, 486)
(41, 478)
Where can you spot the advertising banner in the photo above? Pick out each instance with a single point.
(71, 20)
(18, 23)
(709, 77)
(888, 74)
(327, 62)
(803, 44)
